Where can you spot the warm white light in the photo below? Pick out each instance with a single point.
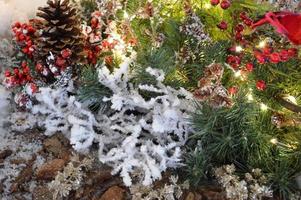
(263, 107)
(207, 6)
(125, 15)
(250, 97)
(291, 99)
(262, 44)
(238, 49)
(274, 141)
(237, 73)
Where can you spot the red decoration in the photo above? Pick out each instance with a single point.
(284, 55)
(60, 62)
(275, 58)
(223, 25)
(233, 90)
(234, 61)
(260, 57)
(225, 4)
(214, 2)
(261, 85)
(249, 67)
(243, 15)
(20, 76)
(248, 21)
(292, 52)
(239, 28)
(286, 23)
(66, 53)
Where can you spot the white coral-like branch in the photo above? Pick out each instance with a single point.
(61, 113)
(140, 134)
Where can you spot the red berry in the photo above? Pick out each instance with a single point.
(243, 15)
(7, 73)
(225, 4)
(66, 53)
(39, 67)
(16, 71)
(60, 62)
(97, 48)
(260, 85)
(25, 50)
(260, 57)
(267, 51)
(248, 22)
(21, 37)
(292, 52)
(24, 64)
(223, 25)
(30, 29)
(238, 36)
(214, 2)
(239, 28)
(34, 88)
(275, 58)
(233, 90)
(94, 22)
(284, 55)
(249, 67)
(233, 61)
(17, 25)
(105, 44)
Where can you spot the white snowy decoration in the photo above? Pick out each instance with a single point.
(64, 114)
(139, 134)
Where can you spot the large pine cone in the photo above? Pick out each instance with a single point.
(61, 29)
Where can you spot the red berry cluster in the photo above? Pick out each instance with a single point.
(23, 35)
(62, 60)
(261, 85)
(239, 28)
(223, 25)
(225, 4)
(94, 37)
(268, 55)
(19, 76)
(245, 18)
(234, 61)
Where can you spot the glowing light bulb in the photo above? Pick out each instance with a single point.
(207, 6)
(125, 15)
(263, 107)
(237, 73)
(291, 99)
(274, 141)
(250, 97)
(238, 49)
(262, 44)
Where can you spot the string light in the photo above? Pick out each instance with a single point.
(207, 6)
(262, 44)
(238, 49)
(125, 15)
(237, 73)
(263, 107)
(274, 141)
(250, 97)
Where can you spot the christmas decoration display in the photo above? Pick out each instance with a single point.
(207, 88)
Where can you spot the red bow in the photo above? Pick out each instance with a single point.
(286, 23)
